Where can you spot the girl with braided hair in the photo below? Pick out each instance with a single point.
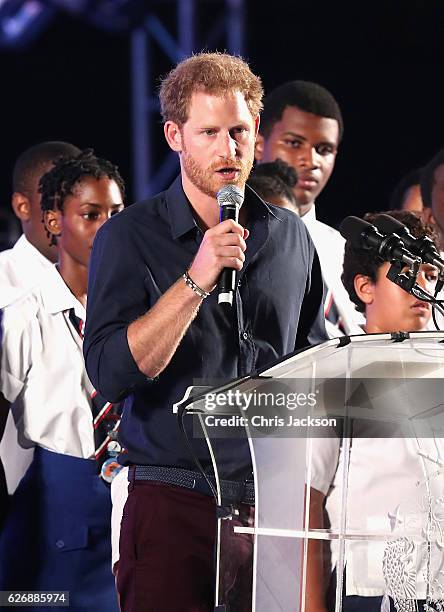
(57, 534)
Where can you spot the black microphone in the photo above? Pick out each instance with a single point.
(364, 235)
(230, 199)
(423, 247)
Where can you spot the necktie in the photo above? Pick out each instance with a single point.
(331, 312)
(106, 416)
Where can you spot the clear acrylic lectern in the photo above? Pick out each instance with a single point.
(359, 425)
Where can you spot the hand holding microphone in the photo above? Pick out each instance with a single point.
(221, 253)
(230, 199)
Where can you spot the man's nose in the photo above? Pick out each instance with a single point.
(227, 145)
(309, 157)
(421, 280)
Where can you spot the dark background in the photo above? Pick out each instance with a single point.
(383, 63)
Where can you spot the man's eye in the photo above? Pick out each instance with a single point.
(91, 216)
(432, 277)
(290, 142)
(209, 132)
(325, 149)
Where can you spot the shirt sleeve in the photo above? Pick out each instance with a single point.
(311, 328)
(21, 341)
(324, 462)
(116, 297)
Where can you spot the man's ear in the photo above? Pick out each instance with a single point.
(257, 123)
(173, 135)
(365, 288)
(21, 206)
(259, 147)
(53, 222)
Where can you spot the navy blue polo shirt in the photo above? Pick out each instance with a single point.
(137, 255)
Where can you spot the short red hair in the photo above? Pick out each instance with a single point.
(214, 73)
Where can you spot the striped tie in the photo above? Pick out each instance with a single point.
(331, 312)
(106, 416)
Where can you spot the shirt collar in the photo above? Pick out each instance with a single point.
(180, 211)
(57, 297)
(310, 217)
(257, 207)
(24, 246)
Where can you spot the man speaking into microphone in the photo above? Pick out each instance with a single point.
(154, 326)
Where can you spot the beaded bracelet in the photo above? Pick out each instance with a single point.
(192, 285)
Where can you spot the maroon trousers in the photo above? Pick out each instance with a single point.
(167, 542)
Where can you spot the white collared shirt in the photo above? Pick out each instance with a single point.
(21, 268)
(43, 373)
(389, 481)
(330, 248)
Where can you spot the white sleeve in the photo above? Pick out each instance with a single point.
(324, 462)
(21, 339)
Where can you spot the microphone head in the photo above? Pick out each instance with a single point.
(424, 246)
(351, 229)
(389, 225)
(230, 195)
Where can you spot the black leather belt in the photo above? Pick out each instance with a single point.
(232, 491)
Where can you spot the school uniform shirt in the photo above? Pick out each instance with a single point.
(42, 366)
(21, 268)
(330, 248)
(390, 481)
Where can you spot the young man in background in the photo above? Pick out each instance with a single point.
(302, 124)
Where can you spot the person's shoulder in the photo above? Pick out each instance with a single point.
(144, 214)
(289, 217)
(6, 255)
(28, 302)
(9, 262)
(329, 230)
(143, 210)
(16, 253)
(292, 222)
(330, 233)
(291, 231)
(9, 293)
(23, 311)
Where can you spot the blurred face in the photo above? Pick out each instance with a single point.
(92, 203)
(217, 142)
(309, 144)
(438, 197)
(27, 209)
(389, 308)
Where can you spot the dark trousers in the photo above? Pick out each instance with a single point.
(57, 534)
(357, 603)
(167, 542)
